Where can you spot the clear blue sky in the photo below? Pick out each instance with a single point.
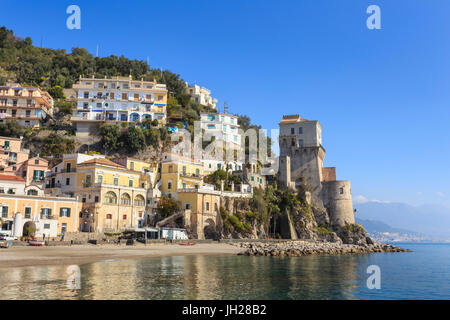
(382, 96)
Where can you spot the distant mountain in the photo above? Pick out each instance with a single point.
(383, 232)
(431, 220)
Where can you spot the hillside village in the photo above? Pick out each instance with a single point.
(88, 150)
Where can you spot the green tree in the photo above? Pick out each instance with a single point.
(110, 134)
(167, 207)
(133, 139)
(11, 128)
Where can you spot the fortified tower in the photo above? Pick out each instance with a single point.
(301, 165)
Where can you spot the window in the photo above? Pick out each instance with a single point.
(47, 226)
(5, 212)
(207, 206)
(184, 185)
(300, 130)
(64, 212)
(188, 206)
(27, 212)
(67, 181)
(300, 143)
(116, 181)
(124, 217)
(110, 198)
(36, 161)
(109, 216)
(253, 178)
(197, 172)
(169, 185)
(100, 179)
(131, 165)
(130, 182)
(184, 170)
(46, 213)
(341, 190)
(292, 130)
(68, 167)
(32, 192)
(125, 199)
(140, 214)
(96, 199)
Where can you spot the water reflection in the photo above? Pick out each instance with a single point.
(212, 277)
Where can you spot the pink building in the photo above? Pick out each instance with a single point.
(11, 152)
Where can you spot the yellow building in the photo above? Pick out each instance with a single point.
(149, 170)
(114, 198)
(51, 215)
(180, 173)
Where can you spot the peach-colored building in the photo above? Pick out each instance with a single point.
(28, 105)
(11, 152)
(33, 171)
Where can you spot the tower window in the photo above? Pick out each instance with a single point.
(341, 190)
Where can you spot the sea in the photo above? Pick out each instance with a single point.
(423, 273)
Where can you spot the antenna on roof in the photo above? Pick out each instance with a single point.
(97, 52)
(225, 107)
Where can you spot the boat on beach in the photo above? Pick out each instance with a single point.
(36, 243)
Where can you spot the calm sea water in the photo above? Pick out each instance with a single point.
(422, 274)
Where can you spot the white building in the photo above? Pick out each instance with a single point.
(223, 127)
(118, 99)
(201, 95)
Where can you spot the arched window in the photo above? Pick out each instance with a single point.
(110, 197)
(125, 199)
(139, 201)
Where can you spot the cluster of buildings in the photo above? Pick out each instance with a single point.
(94, 193)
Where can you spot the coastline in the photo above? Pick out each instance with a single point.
(81, 254)
(25, 256)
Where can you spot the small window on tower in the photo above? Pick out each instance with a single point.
(341, 190)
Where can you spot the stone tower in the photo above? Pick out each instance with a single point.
(301, 165)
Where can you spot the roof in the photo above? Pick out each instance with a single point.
(104, 162)
(294, 119)
(6, 177)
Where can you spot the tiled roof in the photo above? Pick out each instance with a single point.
(6, 177)
(102, 161)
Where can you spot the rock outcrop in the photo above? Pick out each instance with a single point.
(302, 248)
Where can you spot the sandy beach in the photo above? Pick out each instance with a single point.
(81, 254)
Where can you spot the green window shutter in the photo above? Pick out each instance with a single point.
(68, 212)
(61, 210)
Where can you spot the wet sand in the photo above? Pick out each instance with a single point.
(81, 254)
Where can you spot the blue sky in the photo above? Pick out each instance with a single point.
(382, 96)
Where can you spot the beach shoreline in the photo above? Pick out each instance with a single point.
(25, 256)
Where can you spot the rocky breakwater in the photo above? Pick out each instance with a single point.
(302, 248)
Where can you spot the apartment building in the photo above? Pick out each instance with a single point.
(51, 216)
(28, 105)
(11, 152)
(223, 126)
(181, 173)
(61, 179)
(201, 95)
(118, 99)
(114, 198)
